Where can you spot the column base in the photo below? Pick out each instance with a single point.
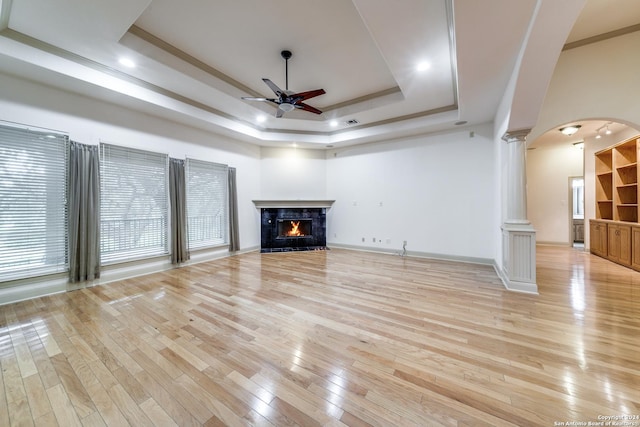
(519, 256)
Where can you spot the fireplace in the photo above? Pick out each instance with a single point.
(293, 225)
(292, 229)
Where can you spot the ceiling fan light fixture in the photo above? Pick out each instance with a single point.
(570, 130)
(286, 107)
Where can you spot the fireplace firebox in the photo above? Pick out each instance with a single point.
(293, 229)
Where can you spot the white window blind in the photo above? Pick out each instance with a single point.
(33, 202)
(134, 203)
(207, 204)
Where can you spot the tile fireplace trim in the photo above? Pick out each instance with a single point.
(293, 203)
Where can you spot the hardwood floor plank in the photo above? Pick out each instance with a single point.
(37, 396)
(156, 414)
(333, 338)
(62, 407)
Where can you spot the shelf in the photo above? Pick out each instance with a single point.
(627, 166)
(604, 162)
(633, 185)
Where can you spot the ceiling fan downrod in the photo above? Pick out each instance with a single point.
(286, 54)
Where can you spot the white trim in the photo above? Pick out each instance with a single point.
(293, 203)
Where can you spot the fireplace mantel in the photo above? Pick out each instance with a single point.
(293, 203)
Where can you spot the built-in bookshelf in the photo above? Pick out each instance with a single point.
(615, 233)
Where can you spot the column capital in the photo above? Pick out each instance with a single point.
(516, 135)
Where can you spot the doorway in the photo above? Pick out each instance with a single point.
(576, 211)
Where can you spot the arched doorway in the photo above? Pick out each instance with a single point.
(555, 163)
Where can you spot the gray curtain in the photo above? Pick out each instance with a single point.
(84, 212)
(178, 202)
(234, 233)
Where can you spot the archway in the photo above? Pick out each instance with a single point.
(553, 159)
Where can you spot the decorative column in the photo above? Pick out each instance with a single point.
(518, 235)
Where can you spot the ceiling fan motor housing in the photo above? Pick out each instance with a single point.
(286, 54)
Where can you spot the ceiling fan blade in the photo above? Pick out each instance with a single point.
(273, 87)
(302, 96)
(308, 108)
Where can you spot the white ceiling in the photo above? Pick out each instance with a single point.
(196, 59)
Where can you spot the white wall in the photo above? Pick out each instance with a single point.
(596, 81)
(293, 173)
(437, 192)
(548, 203)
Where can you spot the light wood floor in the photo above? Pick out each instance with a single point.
(329, 338)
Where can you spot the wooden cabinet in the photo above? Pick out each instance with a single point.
(635, 247)
(619, 243)
(599, 238)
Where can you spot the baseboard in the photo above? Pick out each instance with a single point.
(515, 286)
(548, 243)
(416, 254)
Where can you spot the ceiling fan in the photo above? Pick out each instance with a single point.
(287, 100)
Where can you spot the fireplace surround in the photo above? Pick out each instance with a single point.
(293, 225)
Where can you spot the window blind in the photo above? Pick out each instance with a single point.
(33, 202)
(207, 204)
(134, 206)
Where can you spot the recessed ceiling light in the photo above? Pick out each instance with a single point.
(261, 118)
(127, 62)
(333, 123)
(423, 66)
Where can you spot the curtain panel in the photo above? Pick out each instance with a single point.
(178, 204)
(234, 232)
(84, 212)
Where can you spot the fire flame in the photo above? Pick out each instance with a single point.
(294, 231)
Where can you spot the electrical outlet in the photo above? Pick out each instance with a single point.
(374, 240)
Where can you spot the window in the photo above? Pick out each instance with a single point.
(134, 203)
(33, 203)
(578, 198)
(207, 206)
